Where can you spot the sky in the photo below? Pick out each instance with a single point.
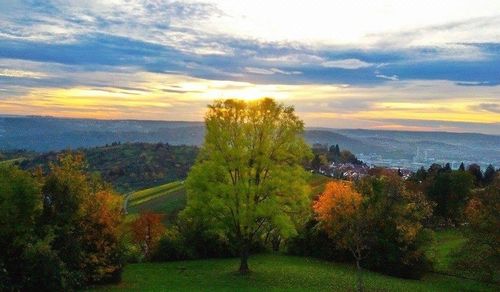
(398, 65)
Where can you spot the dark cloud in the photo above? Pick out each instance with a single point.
(490, 107)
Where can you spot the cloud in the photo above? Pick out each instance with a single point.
(20, 74)
(473, 83)
(101, 46)
(350, 64)
(393, 77)
(261, 71)
(489, 107)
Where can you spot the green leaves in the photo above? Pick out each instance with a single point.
(248, 172)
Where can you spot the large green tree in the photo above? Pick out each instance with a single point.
(249, 171)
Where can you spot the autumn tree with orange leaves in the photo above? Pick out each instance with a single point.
(341, 213)
(147, 230)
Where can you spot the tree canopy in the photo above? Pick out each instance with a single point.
(249, 171)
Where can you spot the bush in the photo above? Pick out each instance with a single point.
(190, 240)
(45, 271)
(62, 236)
(313, 241)
(171, 248)
(401, 259)
(476, 261)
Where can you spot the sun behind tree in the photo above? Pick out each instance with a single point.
(249, 172)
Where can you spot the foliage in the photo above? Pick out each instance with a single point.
(58, 232)
(131, 166)
(397, 219)
(313, 241)
(381, 217)
(192, 240)
(489, 175)
(249, 171)
(480, 256)
(449, 189)
(475, 170)
(20, 206)
(147, 230)
(323, 156)
(339, 210)
(319, 161)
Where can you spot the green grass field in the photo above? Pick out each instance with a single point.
(11, 161)
(274, 273)
(143, 196)
(446, 242)
(168, 199)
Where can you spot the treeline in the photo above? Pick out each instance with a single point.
(130, 166)
(324, 156)
(60, 230)
(387, 223)
(451, 190)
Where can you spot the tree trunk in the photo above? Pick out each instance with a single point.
(276, 241)
(359, 273)
(244, 259)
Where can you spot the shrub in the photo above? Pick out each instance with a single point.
(188, 240)
(312, 241)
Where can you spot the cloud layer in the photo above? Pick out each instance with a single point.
(341, 64)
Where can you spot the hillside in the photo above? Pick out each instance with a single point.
(274, 273)
(329, 137)
(43, 134)
(131, 166)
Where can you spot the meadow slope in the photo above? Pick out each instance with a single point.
(274, 273)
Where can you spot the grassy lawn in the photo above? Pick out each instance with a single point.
(168, 199)
(446, 242)
(169, 203)
(274, 272)
(143, 196)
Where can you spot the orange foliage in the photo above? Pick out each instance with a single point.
(338, 201)
(147, 230)
(100, 225)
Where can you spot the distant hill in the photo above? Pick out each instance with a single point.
(345, 142)
(43, 134)
(48, 134)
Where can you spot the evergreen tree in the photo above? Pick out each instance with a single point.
(475, 170)
(489, 174)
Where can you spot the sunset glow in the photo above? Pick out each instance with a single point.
(368, 64)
